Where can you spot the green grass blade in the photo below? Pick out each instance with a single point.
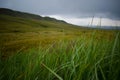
(52, 72)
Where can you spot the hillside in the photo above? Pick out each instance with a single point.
(20, 22)
(24, 15)
(19, 29)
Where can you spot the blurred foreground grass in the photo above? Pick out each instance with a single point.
(80, 59)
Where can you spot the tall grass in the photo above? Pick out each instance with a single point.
(74, 60)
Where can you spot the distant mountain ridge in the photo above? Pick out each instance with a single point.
(106, 27)
(5, 11)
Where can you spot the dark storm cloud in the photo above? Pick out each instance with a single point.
(74, 8)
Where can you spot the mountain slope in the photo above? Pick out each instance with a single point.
(18, 30)
(13, 13)
(23, 30)
(15, 21)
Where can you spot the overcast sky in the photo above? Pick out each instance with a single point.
(77, 12)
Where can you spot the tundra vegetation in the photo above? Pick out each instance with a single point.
(33, 48)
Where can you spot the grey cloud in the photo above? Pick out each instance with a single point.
(74, 8)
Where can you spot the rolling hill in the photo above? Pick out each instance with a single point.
(19, 29)
(24, 15)
(15, 21)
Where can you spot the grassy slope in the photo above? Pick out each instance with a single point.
(16, 32)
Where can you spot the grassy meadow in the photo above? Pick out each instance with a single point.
(32, 49)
